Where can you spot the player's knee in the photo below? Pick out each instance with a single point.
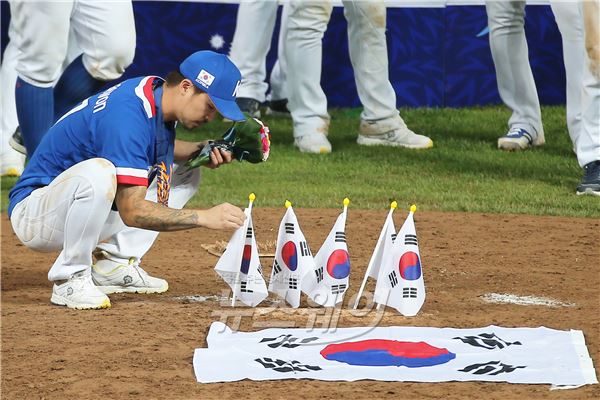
(102, 174)
(42, 73)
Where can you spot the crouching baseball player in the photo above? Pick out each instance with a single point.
(105, 179)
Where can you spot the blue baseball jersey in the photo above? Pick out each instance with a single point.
(123, 124)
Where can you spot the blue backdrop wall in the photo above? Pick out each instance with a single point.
(439, 57)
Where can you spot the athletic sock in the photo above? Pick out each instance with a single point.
(74, 85)
(35, 110)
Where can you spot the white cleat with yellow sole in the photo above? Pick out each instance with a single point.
(115, 277)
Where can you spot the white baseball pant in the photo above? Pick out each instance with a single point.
(104, 31)
(307, 22)
(73, 214)
(515, 79)
(249, 48)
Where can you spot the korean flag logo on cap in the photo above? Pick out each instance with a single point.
(205, 78)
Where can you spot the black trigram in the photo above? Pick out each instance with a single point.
(286, 366)
(289, 228)
(244, 287)
(490, 368)
(287, 341)
(304, 249)
(249, 233)
(488, 341)
(259, 269)
(410, 239)
(335, 289)
(276, 267)
(409, 292)
(393, 278)
(394, 237)
(293, 283)
(340, 237)
(319, 273)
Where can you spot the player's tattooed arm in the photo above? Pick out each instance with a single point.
(138, 212)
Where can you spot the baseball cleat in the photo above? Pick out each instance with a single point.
(278, 108)
(316, 143)
(401, 137)
(79, 292)
(16, 142)
(519, 139)
(114, 277)
(590, 183)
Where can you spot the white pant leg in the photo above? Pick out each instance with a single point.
(517, 88)
(278, 78)
(123, 242)
(8, 109)
(570, 23)
(68, 214)
(588, 142)
(307, 22)
(250, 45)
(369, 56)
(105, 32)
(41, 35)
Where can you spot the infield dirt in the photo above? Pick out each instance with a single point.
(142, 347)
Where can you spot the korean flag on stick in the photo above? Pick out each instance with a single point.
(328, 282)
(400, 281)
(239, 265)
(292, 259)
(382, 250)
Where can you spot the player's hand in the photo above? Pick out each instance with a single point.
(219, 157)
(223, 216)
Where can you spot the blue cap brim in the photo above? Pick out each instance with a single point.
(228, 109)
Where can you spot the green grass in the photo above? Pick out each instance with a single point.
(463, 172)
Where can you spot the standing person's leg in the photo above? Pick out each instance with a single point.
(570, 23)
(517, 88)
(588, 142)
(380, 120)
(307, 22)
(12, 161)
(105, 32)
(41, 35)
(69, 214)
(278, 97)
(117, 269)
(249, 48)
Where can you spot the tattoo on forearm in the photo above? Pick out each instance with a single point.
(166, 219)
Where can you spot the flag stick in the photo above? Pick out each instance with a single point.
(251, 199)
(393, 206)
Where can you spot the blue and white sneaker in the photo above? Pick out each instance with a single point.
(519, 139)
(590, 183)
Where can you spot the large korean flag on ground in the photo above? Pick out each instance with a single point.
(400, 282)
(292, 259)
(240, 267)
(496, 354)
(328, 282)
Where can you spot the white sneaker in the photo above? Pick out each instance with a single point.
(13, 163)
(400, 137)
(113, 277)
(315, 143)
(80, 293)
(518, 139)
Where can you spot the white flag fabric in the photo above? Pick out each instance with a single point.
(400, 281)
(383, 246)
(293, 259)
(240, 267)
(517, 355)
(328, 282)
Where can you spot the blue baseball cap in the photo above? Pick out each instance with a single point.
(216, 75)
